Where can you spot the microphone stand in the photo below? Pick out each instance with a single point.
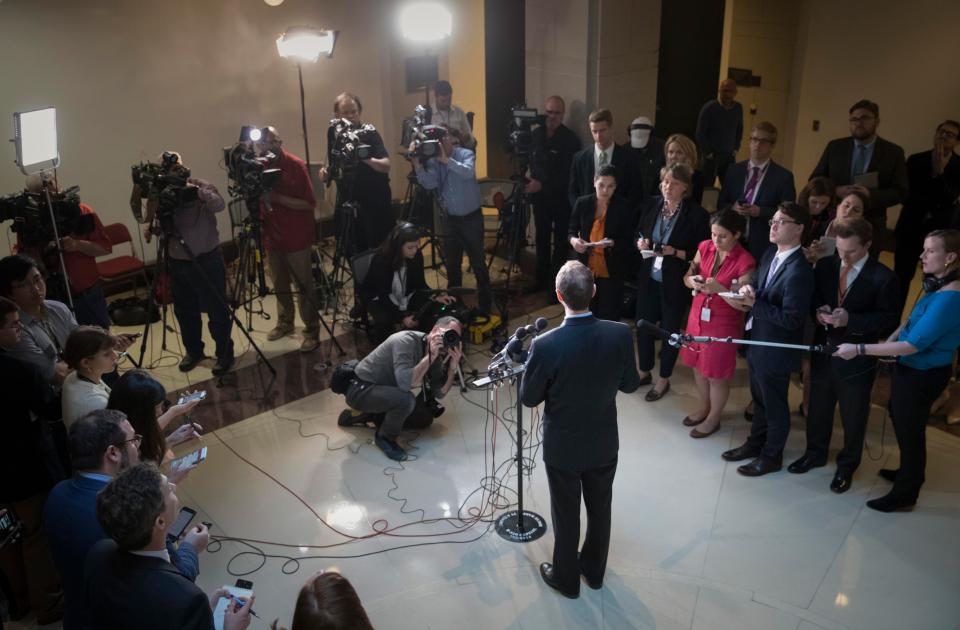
(677, 340)
(518, 525)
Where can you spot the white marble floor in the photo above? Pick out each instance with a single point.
(694, 544)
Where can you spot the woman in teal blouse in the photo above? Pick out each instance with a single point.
(924, 349)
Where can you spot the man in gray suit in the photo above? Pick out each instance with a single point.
(577, 370)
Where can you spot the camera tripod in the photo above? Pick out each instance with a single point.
(512, 233)
(420, 208)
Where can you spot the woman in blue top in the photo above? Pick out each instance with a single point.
(924, 349)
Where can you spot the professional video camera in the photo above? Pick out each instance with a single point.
(349, 146)
(424, 136)
(523, 120)
(166, 183)
(32, 221)
(248, 173)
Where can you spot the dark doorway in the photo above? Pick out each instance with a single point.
(505, 72)
(691, 38)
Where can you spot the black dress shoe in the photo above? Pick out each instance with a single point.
(890, 474)
(653, 395)
(892, 503)
(546, 572)
(841, 482)
(748, 416)
(741, 453)
(189, 361)
(592, 584)
(759, 467)
(646, 380)
(804, 464)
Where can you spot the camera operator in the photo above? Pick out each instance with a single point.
(288, 234)
(193, 286)
(79, 257)
(368, 184)
(554, 145)
(454, 174)
(448, 115)
(383, 381)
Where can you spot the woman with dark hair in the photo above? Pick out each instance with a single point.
(601, 226)
(924, 347)
(328, 602)
(395, 291)
(144, 400)
(852, 206)
(818, 198)
(90, 353)
(721, 264)
(671, 229)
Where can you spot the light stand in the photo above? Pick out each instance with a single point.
(518, 525)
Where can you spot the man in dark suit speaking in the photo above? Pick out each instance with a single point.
(577, 369)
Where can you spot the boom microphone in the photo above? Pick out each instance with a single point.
(653, 329)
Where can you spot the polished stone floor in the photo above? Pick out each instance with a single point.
(694, 544)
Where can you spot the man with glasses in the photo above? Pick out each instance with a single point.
(864, 161)
(779, 303)
(554, 145)
(29, 467)
(102, 445)
(755, 187)
(932, 203)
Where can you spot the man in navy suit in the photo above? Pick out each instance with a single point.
(577, 370)
(129, 580)
(856, 300)
(102, 444)
(846, 160)
(755, 187)
(779, 301)
(602, 152)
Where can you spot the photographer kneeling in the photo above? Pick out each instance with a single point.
(383, 381)
(199, 284)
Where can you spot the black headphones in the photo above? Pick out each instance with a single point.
(931, 283)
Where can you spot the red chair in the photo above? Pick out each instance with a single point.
(121, 268)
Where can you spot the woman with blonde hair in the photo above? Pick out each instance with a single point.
(679, 149)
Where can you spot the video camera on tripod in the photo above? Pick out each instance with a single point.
(523, 120)
(349, 146)
(424, 136)
(248, 173)
(32, 222)
(166, 184)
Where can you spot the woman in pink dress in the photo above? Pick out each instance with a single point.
(721, 264)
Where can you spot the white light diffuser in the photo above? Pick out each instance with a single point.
(302, 43)
(35, 136)
(426, 21)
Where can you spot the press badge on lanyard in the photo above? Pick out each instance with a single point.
(658, 263)
(705, 314)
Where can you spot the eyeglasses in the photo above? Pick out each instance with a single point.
(756, 139)
(859, 119)
(946, 133)
(136, 438)
(779, 222)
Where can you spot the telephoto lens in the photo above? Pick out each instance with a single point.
(450, 338)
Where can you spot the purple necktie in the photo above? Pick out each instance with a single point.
(752, 183)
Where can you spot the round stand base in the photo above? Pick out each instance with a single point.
(510, 527)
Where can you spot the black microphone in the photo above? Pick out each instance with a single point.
(514, 348)
(540, 324)
(521, 332)
(653, 329)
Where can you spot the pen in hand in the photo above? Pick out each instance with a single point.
(241, 603)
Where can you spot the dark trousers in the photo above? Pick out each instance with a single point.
(566, 486)
(716, 167)
(401, 409)
(653, 308)
(466, 233)
(197, 288)
(912, 394)
(771, 411)
(90, 307)
(552, 219)
(834, 381)
(608, 302)
(27, 565)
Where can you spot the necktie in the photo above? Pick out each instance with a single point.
(860, 161)
(603, 158)
(748, 192)
(773, 270)
(842, 292)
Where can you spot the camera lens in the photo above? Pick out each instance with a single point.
(450, 338)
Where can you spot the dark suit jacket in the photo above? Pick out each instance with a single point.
(873, 302)
(692, 227)
(932, 202)
(777, 186)
(70, 523)
(619, 225)
(378, 283)
(779, 314)
(123, 590)
(577, 369)
(887, 161)
(582, 171)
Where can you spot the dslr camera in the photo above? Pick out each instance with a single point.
(350, 145)
(166, 183)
